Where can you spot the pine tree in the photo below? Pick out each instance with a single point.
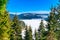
(52, 26)
(5, 23)
(26, 34)
(17, 29)
(58, 22)
(36, 35)
(41, 31)
(30, 33)
(12, 34)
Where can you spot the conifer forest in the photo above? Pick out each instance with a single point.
(11, 29)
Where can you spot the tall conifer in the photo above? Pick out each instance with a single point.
(4, 21)
(41, 31)
(36, 35)
(30, 33)
(16, 29)
(52, 26)
(26, 34)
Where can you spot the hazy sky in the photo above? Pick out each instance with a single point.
(30, 5)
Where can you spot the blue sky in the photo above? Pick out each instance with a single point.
(30, 5)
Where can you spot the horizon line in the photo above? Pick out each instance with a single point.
(46, 12)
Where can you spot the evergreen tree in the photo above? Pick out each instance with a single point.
(36, 35)
(12, 34)
(41, 31)
(30, 33)
(17, 29)
(5, 23)
(52, 26)
(58, 21)
(26, 34)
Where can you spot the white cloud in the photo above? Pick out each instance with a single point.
(37, 12)
(17, 13)
(41, 12)
(34, 23)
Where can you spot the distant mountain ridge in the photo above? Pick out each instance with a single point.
(31, 16)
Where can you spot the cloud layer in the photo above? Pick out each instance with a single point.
(41, 12)
(34, 23)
